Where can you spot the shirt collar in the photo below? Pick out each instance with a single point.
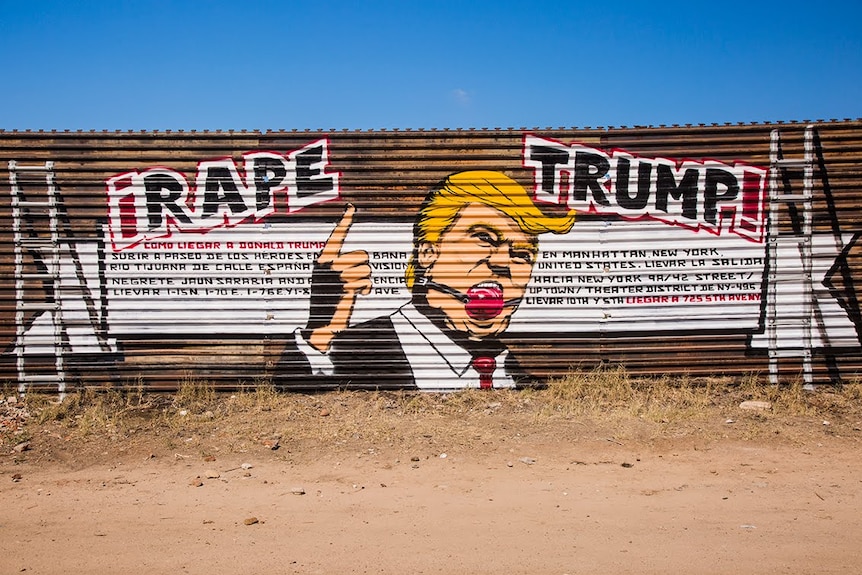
(453, 354)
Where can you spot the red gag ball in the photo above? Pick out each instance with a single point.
(485, 303)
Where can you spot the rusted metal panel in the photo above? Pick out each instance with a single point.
(437, 259)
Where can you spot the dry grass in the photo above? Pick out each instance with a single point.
(92, 410)
(607, 400)
(612, 391)
(194, 393)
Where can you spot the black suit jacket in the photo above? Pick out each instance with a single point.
(365, 356)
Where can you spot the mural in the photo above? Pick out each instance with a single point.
(469, 287)
(475, 242)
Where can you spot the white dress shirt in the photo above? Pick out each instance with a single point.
(437, 362)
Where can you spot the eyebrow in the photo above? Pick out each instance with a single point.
(488, 227)
(532, 247)
(501, 238)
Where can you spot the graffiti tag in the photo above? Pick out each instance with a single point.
(150, 204)
(708, 194)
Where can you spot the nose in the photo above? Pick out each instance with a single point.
(499, 261)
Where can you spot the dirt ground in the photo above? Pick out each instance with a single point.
(473, 483)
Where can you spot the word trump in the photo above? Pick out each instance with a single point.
(707, 195)
(154, 202)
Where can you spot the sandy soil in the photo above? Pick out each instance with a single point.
(486, 488)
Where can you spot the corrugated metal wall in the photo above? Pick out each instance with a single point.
(437, 259)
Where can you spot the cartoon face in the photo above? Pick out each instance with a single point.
(485, 255)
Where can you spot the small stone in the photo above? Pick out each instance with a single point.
(246, 466)
(251, 521)
(209, 458)
(414, 458)
(297, 491)
(271, 444)
(628, 465)
(184, 412)
(443, 456)
(212, 474)
(16, 477)
(527, 460)
(755, 405)
(510, 464)
(196, 482)
(324, 413)
(22, 447)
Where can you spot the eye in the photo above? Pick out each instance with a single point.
(525, 256)
(485, 237)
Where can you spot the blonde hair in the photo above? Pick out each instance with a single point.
(493, 189)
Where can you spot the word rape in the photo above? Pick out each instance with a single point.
(150, 204)
(707, 194)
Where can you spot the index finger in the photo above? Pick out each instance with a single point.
(336, 239)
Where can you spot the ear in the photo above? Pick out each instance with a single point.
(428, 254)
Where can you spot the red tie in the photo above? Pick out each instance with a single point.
(485, 366)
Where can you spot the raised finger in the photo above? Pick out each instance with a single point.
(336, 238)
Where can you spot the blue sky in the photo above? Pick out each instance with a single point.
(331, 64)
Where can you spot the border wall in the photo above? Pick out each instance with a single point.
(430, 259)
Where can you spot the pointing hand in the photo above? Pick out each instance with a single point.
(338, 279)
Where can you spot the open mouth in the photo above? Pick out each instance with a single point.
(485, 301)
